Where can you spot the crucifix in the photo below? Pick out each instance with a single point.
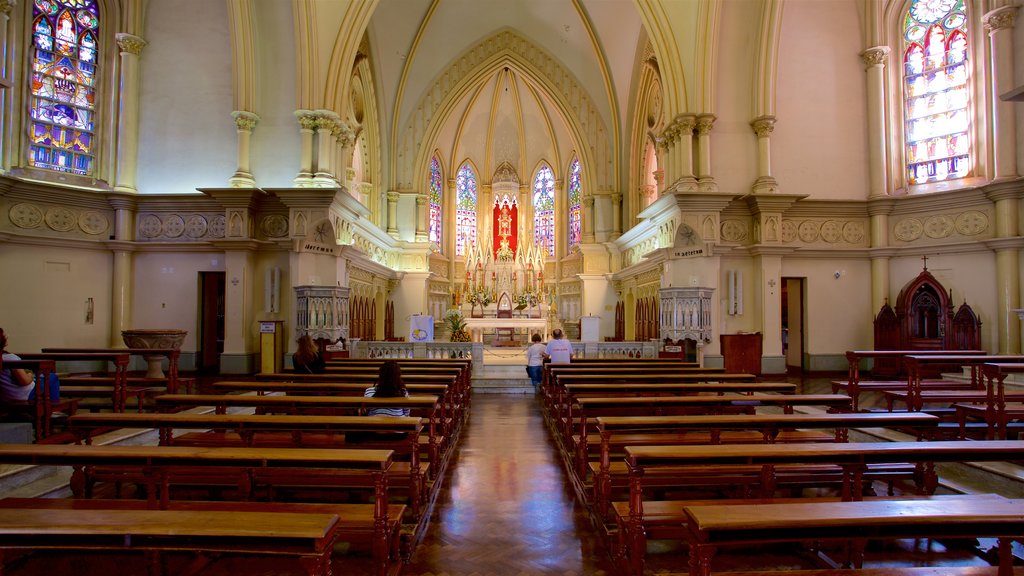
(925, 260)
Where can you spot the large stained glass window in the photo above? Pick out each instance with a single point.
(63, 99)
(435, 201)
(465, 210)
(544, 209)
(575, 193)
(936, 94)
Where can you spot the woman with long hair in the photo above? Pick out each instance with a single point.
(389, 385)
(307, 358)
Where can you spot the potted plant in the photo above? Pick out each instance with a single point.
(456, 326)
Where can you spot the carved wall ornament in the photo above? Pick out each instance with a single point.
(763, 126)
(60, 219)
(704, 124)
(734, 231)
(971, 223)
(195, 226)
(831, 232)
(307, 119)
(235, 224)
(771, 229)
(709, 229)
(92, 222)
(853, 232)
(274, 226)
(25, 215)
(789, 231)
(6, 6)
(808, 231)
(908, 229)
(999, 18)
(174, 226)
(875, 56)
(150, 226)
(938, 226)
(245, 120)
(129, 43)
(217, 226)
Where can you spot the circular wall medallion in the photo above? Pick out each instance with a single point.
(908, 229)
(275, 226)
(788, 231)
(61, 219)
(831, 232)
(92, 222)
(195, 226)
(853, 232)
(971, 223)
(733, 231)
(938, 226)
(150, 226)
(25, 215)
(174, 225)
(808, 231)
(217, 226)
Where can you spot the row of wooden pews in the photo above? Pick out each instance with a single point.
(746, 470)
(370, 481)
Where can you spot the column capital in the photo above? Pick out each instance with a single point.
(999, 18)
(421, 199)
(307, 119)
(245, 120)
(704, 123)
(685, 123)
(875, 56)
(617, 198)
(129, 43)
(7, 5)
(763, 126)
(393, 196)
(588, 201)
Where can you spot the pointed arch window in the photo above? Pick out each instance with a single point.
(575, 194)
(62, 102)
(936, 94)
(544, 209)
(436, 188)
(465, 210)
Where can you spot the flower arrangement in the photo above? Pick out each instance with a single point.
(525, 299)
(480, 298)
(456, 324)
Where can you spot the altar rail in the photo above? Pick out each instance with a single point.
(475, 350)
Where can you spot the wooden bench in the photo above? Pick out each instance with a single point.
(916, 364)
(854, 386)
(120, 361)
(997, 413)
(590, 365)
(587, 409)
(618, 433)
(41, 408)
(767, 465)
(356, 522)
(887, 571)
(309, 537)
(711, 528)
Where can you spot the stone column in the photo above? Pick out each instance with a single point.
(704, 177)
(667, 144)
(875, 59)
(999, 24)
(768, 300)
(128, 119)
(307, 123)
(616, 216)
(1007, 249)
(661, 175)
(588, 219)
(343, 140)
(765, 183)
(244, 123)
(880, 253)
(325, 123)
(393, 213)
(422, 234)
(684, 154)
(123, 267)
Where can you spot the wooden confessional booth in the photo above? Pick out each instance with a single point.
(923, 320)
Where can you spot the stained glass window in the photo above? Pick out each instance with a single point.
(575, 193)
(465, 210)
(63, 99)
(544, 209)
(936, 93)
(435, 201)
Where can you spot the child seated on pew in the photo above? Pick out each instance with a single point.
(17, 385)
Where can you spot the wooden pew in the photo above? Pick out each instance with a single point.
(588, 409)
(41, 408)
(996, 412)
(119, 359)
(171, 381)
(712, 528)
(854, 386)
(917, 363)
(616, 433)
(589, 365)
(767, 464)
(308, 537)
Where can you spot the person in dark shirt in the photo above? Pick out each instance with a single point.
(307, 359)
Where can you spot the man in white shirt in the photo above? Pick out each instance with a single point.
(559, 350)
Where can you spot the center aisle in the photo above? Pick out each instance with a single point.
(506, 506)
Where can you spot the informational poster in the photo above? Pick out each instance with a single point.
(421, 328)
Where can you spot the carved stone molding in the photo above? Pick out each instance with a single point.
(6, 6)
(734, 230)
(25, 215)
(808, 231)
(704, 124)
(61, 219)
(307, 119)
(176, 227)
(908, 229)
(938, 226)
(875, 56)
(129, 43)
(274, 226)
(1000, 18)
(831, 231)
(971, 223)
(92, 222)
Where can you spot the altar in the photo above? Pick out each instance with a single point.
(477, 326)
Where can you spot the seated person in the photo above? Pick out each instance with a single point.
(389, 385)
(307, 359)
(18, 385)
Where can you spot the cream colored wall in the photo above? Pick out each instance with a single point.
(167, 291)
(45, 291)
(837, 309)
(733, 144)
(819, 146)
(750, 319)
(275, 140)
(187, 136)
